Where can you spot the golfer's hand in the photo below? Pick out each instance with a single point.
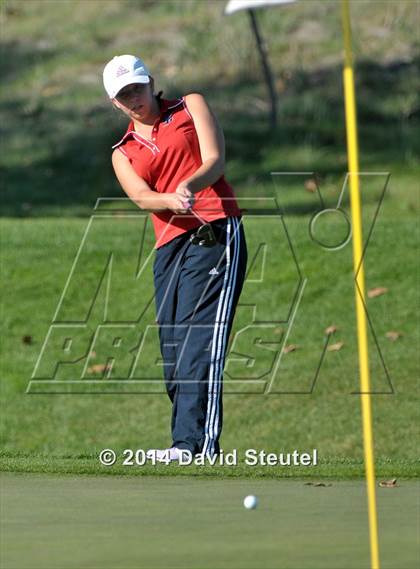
(176, 202)
(185, 192)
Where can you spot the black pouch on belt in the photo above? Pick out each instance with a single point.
(204, 236)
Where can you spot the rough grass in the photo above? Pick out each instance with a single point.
(60, 126)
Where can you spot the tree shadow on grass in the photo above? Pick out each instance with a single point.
(17, 55)
(74, 167)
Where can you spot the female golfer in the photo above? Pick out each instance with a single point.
(170, 162)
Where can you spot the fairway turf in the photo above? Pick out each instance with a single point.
(79, 426)
(81, 522)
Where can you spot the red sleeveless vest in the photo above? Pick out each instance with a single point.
(169, 158)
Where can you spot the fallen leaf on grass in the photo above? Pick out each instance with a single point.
(378, 291)
(388, 483)
(330, 330)
(317, 484)
(99, 368)
(310, 185)
(290, 348)
(393, 335)
(27, 339)
(335, 347)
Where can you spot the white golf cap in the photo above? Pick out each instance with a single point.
(123, 70)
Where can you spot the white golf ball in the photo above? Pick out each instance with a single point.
(251, 502)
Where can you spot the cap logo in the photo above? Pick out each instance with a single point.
(121, 70)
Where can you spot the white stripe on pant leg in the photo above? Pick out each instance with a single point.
(210, 400)
(215, 333)
(220, 354)
(221, 337)
(221, 341)
(230, 293)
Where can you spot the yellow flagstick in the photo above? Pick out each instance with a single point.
(362, 340)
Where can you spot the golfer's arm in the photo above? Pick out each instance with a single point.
(211, 140)
(137, 189)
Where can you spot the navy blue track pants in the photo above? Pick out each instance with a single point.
(197, 290)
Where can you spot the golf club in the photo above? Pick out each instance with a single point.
(204, 236)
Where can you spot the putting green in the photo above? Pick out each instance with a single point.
(63, 522)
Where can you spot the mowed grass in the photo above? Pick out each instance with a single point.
(293, 406)
(119, 523)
